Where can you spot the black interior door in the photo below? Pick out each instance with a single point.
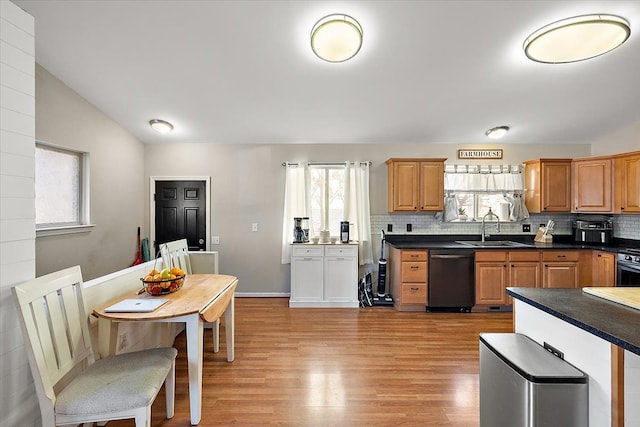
(181, 213)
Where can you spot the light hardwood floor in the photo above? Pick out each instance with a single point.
(338, 367)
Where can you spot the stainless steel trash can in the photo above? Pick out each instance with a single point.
(522, 384)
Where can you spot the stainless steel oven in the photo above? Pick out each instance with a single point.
(628, 274)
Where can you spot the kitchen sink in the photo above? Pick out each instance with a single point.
(492, 243)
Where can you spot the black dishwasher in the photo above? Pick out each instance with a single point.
(451, 280)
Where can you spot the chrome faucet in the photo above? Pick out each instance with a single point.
(489, 214)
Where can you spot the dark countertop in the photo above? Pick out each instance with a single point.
(444, 241)
(610, 321)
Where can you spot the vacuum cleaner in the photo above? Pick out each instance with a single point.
(382, 298)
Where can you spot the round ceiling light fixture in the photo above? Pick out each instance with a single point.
(497, 132)
(336, 38)
(576, 39)
(161, 126)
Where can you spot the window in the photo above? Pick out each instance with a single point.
(476, 205)
(62, 189)
(327, 193)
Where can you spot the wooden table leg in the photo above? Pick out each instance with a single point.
(107, 337)
(229, 316)
(194, 332)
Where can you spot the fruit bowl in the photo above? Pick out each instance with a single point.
(155, 283)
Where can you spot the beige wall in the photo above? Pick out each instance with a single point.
(117, 188)
(622, 141)
(247, 184)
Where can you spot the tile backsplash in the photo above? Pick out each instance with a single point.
(624, 226)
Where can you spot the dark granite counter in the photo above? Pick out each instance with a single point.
(445, 241)
(610, 321)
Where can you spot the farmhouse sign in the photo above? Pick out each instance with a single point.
(480, 154)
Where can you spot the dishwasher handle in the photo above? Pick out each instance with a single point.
(457, 256)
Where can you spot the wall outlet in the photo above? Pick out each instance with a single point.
(254, 226)
(409, 227)
(526, 228)
(123, 341)
(215, 240)
(389, 228)
(543, 225)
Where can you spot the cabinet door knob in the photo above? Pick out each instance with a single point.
(622, 208)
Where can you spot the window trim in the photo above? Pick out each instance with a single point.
(84, 224)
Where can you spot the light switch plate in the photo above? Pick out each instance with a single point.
(254, 226)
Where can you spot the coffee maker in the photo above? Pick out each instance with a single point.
(344, 231)
(300, 229)
(298, 233)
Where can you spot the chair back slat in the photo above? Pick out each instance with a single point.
(55, 326)
(176, 254)
(57, 323)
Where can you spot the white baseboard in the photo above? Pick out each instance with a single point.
(262, 294)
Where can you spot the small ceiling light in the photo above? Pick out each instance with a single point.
(497, 132)
(576, 39)
(336, 38)
(161, 126)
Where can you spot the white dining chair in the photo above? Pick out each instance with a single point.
(73, 387)
(176, 254)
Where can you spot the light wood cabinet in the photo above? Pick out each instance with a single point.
(626, 169)
(408, 273)
(560, 269)
(497, 270)
(604, 269)
(491, 277)
(548, 185)
(415, 185)
(324, 276)
(592, 184)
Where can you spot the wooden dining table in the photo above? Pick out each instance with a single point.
(202, 298)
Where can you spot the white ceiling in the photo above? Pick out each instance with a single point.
(428, 72)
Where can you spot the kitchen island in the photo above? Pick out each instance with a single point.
(599, 337)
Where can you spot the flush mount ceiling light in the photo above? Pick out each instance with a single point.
(161, 126)
(497, 132)
(336, 38)
(576, 39)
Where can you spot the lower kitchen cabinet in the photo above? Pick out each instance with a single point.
(491, 277)
(497, 270)
(324, 275)
(604, 269)
(560, 269)
(408, 272)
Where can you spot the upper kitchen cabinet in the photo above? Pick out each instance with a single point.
(592, 179)
(548, 185)
(626, 171)
(415, 185)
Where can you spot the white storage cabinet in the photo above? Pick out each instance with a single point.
(324, 275)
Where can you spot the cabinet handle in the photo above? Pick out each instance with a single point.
(504, 266)
(340, 259)
(414, 267)
(414, 289)
(414, 256)
(512, 266)
(308, 259)
(621, 208)
(562, 256)
(599, 255)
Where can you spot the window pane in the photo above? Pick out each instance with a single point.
(490, 200)
(57, 185)
(465, 201)
(327, 199)
(336, 200)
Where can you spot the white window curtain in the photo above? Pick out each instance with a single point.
(485, 180)
(297, 202)
(357, 209)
